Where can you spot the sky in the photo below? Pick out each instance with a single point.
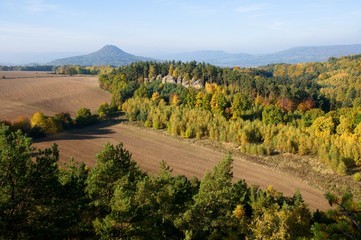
(155, 27)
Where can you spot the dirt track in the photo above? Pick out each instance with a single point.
(149, 148)
(24, 93)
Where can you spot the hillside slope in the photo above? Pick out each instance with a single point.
(108, 55)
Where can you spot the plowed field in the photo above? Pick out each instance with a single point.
(149, 148)
(24, 93)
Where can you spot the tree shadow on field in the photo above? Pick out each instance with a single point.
(100, 130)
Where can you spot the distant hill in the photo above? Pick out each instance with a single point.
(293, 55)
(108, 55)
(112, 55)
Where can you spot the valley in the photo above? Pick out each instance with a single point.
(180, 120)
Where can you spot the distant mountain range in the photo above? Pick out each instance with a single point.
(293, 55)
(108, 55)
(112, 55)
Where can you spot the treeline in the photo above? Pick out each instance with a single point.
(40, 125)
(76, 69)
(64, 70)
(117, 200)
(27, 68)
(275, 109)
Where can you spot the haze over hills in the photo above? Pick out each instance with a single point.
(203, 56)
(112, 55)
(293, 55)
(108, 55)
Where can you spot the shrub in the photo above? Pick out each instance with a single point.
(45, 124)
(84, 117)
(105, 111)
(357, 177)
(64, 119)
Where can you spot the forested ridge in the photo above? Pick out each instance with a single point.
(40, 199)
(306, 109)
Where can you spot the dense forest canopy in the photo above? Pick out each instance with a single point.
(307, 109)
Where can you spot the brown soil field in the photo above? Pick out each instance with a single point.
(149, 148)
(24, 93)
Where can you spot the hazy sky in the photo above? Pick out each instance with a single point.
(165, 26)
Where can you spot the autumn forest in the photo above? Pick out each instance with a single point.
(307, 110)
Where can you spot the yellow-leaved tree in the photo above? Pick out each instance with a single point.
(323, 126)
(39, 120)
(46, 124)
(156, 97)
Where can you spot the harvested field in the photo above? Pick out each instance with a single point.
(149, 148)
(24, 93)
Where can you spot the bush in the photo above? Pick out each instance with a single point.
(357, 177)
(84, 117)
(105, 111)
(45, 124)
(64, 119)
